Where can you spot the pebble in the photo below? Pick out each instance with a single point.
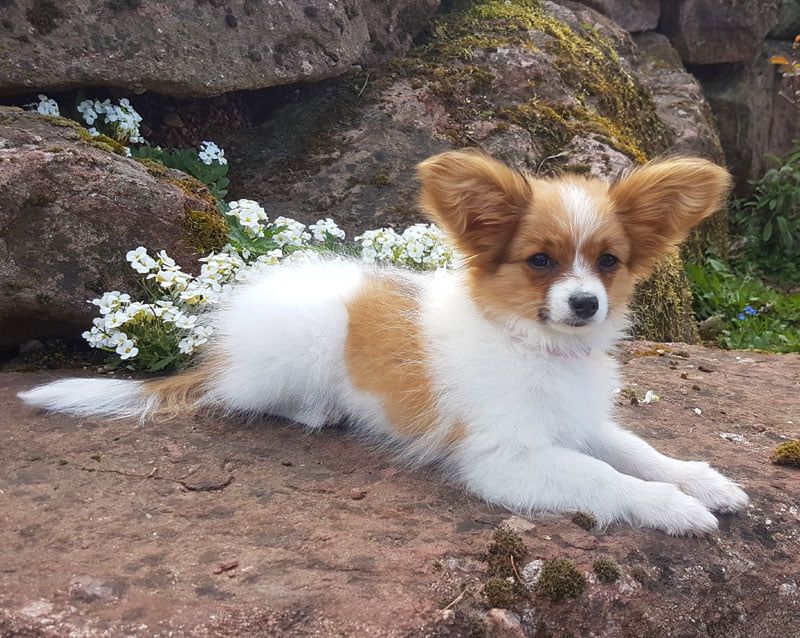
(357, 493)
(88, 589)
(505, 621)
(531, 572)
(226, 566)
(732, 436)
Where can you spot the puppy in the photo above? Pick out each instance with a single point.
(498, 369)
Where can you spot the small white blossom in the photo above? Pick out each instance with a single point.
(127, 350)
(324, 227)
(45, 106)
(140, 261)
(210, 153)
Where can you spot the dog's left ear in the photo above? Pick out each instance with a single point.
(477, 200)
(660, 202)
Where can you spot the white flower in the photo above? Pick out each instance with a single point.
(293, 232)
(186, 345)
(127, 350)
(324, 227)
(650, 397)
(45, 106)
(186, 322)
(140, 261)
(210, 153)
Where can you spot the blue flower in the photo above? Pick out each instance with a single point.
(741, 316)
(749, 310)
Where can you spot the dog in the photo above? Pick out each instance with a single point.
(498, 370)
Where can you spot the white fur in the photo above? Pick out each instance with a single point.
(536, 404)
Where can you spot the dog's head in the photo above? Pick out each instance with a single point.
(564, 252)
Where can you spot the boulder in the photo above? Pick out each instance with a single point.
(197, 47)
(788, 24)
(717, 31)
(546, 89)
(754, 112)
(631, 15)
(70, 208)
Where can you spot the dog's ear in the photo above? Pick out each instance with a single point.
(659, 203)
(477, 200)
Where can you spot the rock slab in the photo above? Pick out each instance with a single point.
(197, 47)
(102, 536)
(69, 211)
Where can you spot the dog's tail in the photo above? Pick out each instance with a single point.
(167, 397)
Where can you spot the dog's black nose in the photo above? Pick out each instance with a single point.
(584, 305)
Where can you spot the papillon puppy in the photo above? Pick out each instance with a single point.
(498, 369)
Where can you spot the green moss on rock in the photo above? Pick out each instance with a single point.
(504, 592)
(787, 453)
(662, 304)
(206, 231)
(103, 142)
(506, 553)
(606, 569)
(560, 579)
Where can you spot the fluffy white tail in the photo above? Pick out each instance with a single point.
(92, 397)
(166, 397)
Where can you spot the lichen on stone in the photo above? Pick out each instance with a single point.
(102, 142)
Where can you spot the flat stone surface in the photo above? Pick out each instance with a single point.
(211, 527)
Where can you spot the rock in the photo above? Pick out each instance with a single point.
(754, 120)
(717, 31)
(504, 624)
(197, 47)
(87, 589)
(788, 23)
(631, 15)
(315, 564)
(551, 88)
(69, 211)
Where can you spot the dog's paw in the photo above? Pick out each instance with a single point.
(669, 509)
(711, 488)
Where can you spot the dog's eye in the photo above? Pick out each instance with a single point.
(607, 262)
(540, 261)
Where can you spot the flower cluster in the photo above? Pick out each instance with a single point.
(421, 246)
(169, 327)
(45, 106)
(210, 153)
(120, 121)
(747, 311)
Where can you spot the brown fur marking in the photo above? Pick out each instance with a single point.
(386, 357)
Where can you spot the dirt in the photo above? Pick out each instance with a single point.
(208, 527)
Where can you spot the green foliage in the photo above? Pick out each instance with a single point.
(752, 314)
(214, 175)
(769, 222)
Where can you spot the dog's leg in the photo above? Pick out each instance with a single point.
(629, 454)
(560, 480)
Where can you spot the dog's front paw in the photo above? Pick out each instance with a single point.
(711, 488)
(665, 507)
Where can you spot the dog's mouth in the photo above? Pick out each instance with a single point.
(571, 322)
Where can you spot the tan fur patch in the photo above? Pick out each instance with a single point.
(179, 394)
(386, 357)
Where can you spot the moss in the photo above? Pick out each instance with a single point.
(585, 521)
(504, 592)
(662, 304)
(155, 168)
(606, 569)
(610, 102)
(206, 231)
(639, 574)
(506, 553)
(103, 142)
(381, 179)
(560, 579)
(787, 453)
(194, 188)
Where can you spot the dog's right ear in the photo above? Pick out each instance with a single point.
(477, 200)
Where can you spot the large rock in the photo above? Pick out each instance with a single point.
(754, 111)
(546, 89)
(196, 47)
(631, 15)
(205, 527)
(681, 106)
(788, 24)
(717, 31)
(70, 209)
